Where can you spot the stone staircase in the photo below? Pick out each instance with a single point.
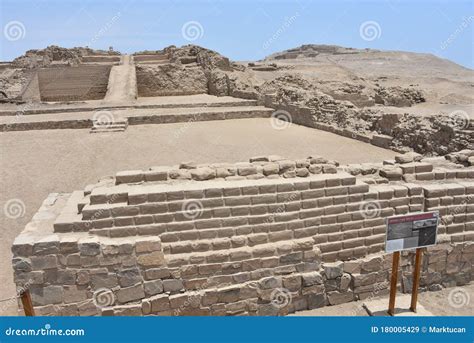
(118, 125)
(83, 82)
(253, 239)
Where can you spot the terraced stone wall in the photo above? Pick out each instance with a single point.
(267, 246)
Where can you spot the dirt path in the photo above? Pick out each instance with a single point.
(122, 82)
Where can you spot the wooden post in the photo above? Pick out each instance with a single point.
(393, 282)
(416, 279)
(27, 303)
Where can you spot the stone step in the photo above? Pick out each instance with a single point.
(106, 130)
(331, 209)
(148, 191)
(222, 206)
(291, 249)
(69, 216)
(232, 273)
(215, 244)
(109, 126)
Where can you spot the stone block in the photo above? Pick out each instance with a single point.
(47, 245)
(201, 174)
(129, 176)
(128, 294)
(312, 278)
(44, 262)
(329, 169)
(336, 298)
(47, 295)
(270, 283)
(160, 303)
(74, 295)
(173, 285)
(382, 141)
(333, 270)
(89, 247)
(155, 175)
(147, 244)
(154, 259)
(316, 300)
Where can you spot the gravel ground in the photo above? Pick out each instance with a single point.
(36, 163)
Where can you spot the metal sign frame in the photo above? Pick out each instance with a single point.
(423, 218)
(411, 217)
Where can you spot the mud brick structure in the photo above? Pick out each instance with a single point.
(267, 237)
(73, 83)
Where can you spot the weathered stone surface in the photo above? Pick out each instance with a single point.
(159, 303)
(313, 278)
(147, 244)
(172, 285)
(408, 157)
(153, 287)
(129, 277)
(336, 298)
(372, 264)
(316, 300)
(202, 174)
(89, 247)
(333, 270)
(44, 262)
(270, 283)
(271, 168)
(47, 295)
(154, 259)
(128, 294)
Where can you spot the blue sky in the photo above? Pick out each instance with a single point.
(241, 30)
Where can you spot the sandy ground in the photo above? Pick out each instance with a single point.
(438, 303)
(36, 163)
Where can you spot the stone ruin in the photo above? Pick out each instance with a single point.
(270, 236)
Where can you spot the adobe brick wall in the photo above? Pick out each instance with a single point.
(74, 83)
(263, 246)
